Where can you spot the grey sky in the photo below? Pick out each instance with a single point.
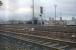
(22, 9)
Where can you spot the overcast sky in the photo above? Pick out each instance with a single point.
(22, 9)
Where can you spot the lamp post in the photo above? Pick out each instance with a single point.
(33, 11)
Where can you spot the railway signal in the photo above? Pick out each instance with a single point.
(41, 10)
(41, 13)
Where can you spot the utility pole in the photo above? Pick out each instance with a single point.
(55, 6)
(33, 12)
(1, 4)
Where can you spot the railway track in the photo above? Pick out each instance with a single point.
(57, 40)
(54, 35)
(48, 42)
